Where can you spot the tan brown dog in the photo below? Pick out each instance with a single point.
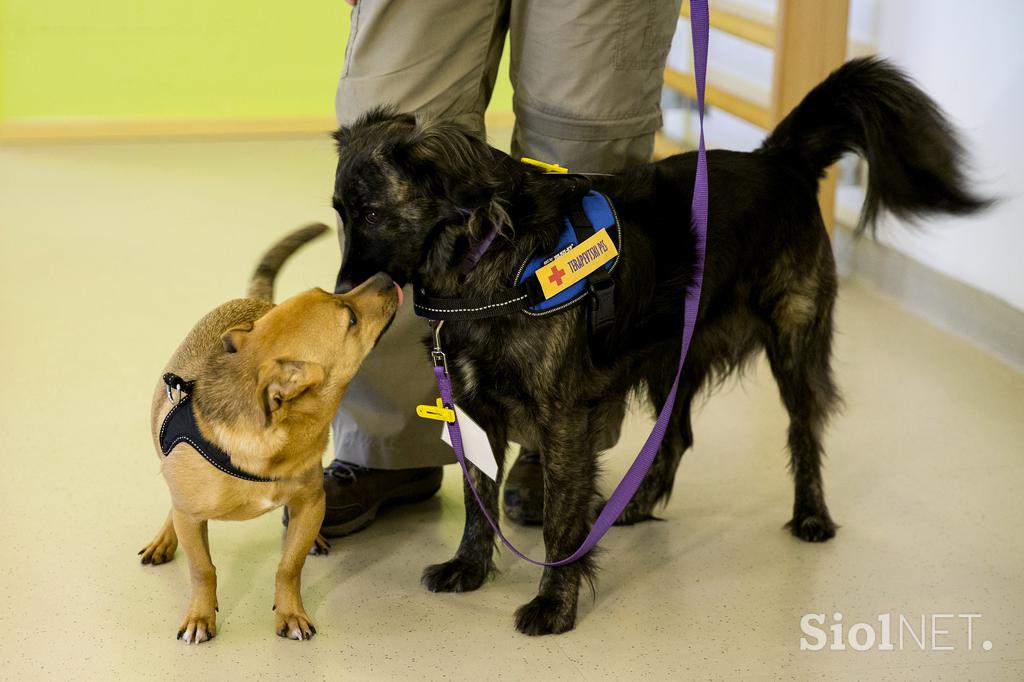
(259, 383)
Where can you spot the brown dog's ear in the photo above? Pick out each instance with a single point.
(282, 380)
(235, 337)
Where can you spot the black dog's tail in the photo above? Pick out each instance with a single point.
(870, 107)
(262, 283)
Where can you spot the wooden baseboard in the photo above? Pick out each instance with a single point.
(59, 130)
(107, 129)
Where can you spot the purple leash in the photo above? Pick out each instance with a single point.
(699, 216)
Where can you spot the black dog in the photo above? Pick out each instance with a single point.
(415, 198)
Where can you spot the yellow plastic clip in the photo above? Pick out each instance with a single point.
(439, 412)
(549, 167)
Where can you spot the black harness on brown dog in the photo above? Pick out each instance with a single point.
(180, 426)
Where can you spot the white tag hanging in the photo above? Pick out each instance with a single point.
(475, 445)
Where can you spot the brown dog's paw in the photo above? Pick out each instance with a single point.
(320, 546)
(196, 629)
(160, 550)
(293, 625)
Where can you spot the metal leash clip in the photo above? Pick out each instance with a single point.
(436, 353)
(177, 393)
(174, 386)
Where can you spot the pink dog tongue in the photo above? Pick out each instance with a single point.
(401, 296)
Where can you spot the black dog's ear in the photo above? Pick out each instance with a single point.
(387, 113)
(464, 169)
(341, 137)
(452, 155)
(467, 178)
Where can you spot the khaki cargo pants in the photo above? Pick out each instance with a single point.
(587, 76)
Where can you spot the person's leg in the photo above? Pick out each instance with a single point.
(440, 59)
(587, 76)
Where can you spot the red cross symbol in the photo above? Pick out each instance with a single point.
(556, 275)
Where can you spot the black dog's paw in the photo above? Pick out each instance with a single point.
(457, 575)
(320, 546)
(545, 616)
(636, 512)
(813, 527)
(631, 517)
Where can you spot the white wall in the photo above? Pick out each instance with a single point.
(969, 57)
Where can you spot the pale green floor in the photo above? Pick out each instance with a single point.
(109, 253)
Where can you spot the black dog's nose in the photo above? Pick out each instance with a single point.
(343, 284)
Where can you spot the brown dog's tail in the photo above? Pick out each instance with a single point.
(262, 284)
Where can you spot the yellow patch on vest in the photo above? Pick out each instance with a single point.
(575, 264)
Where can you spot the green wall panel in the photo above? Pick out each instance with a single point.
(143, 59)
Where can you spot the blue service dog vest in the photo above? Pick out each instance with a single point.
(597, 214)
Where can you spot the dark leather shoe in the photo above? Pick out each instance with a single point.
(524, 490)
(356, 494)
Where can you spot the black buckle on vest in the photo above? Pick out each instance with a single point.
(602, 314)
(602, 307)
(580, 222)
(602, 291)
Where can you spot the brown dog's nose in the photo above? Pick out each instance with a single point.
(381, 283)
(383, 280)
